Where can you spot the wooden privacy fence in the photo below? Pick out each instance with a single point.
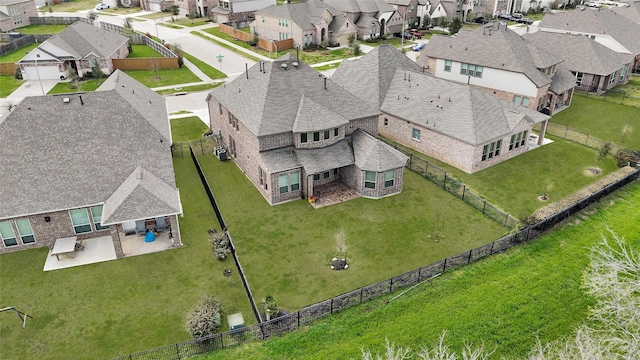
(265, 44)
(19, 43)
(236, 33)
(307, 315)
(7, 68)
(58, 20)
(145, 63)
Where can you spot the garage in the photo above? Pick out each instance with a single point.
(45, 72)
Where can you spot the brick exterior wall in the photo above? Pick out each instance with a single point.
(23, 11)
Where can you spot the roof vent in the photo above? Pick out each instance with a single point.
(284, 66)
(295, 64)
(66, 100)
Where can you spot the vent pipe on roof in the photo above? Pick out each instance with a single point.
(81, 102)
(260, 62)
(409, 77)
(246, 70)
(66, 100)
(325, 83)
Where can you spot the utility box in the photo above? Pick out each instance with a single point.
(236, 321)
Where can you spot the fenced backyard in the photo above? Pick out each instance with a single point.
(307, 315)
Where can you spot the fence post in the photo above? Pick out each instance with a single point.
(469, 260)
(331, 309)
(419, 273)
(410, 160)
(484, 206)
(565, 132)
(464, 189)
(491, 251)
(201, 148)
(298, 318)
(444, 183)
(390, 284)
(178, 351)
(587, 140)
(361, 295)
(444, 266)
(506, 219)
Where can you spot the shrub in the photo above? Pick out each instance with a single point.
(626, 157)
(204, 319)
(271, 307)
(220, 245)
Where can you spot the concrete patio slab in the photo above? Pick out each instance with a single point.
(95, 250)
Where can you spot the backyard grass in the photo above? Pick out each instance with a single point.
(627, 94)
(514, 185)
(8, 84)
(69, 87)
(15, 56)
(187, 129)
(42, 29)
(285, 250)
(507, 301)
(167, 77)
(113, 308)
(604, 120)
(143, 51)
(70, 6)
(120, 10)
(327, 67)
(241, 53)
(209, 70)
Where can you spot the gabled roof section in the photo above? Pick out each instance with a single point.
(579, 52)
(369, 77)
(315, 117)
(141, 193)
(268, 101)
(597, 22)
(91, 144)
(361, 6)
(81, 39)
(456, 110)
(148, 103)
(562, 80)
(304, 14)
(372, 154)
(631, 11)
(330, 157)
(493, 46)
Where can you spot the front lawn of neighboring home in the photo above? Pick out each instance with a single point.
(241, 53)
(189, 22)
(42, 29)
(207, 69)
(559, 168)
(164, 77)
(15, 56)
(143, 51)
(285, 250)
(194, 88)
(8, 84)
(104, 310)
(604, 120)
(70, 87)
(69, 6)
(506, 301)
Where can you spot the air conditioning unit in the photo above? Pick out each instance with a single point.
(220, 153)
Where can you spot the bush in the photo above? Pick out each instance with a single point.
(204, 319)
(220, 245)
(626, 157)
(271, 307)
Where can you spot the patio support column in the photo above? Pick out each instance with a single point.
(552, 105)
(115, 238)
(543, 132)
(309, 186)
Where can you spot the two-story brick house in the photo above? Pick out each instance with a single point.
(290, 129)
(15, 13)
(88, 165)
(372, 17)
(235, 10)
(497, 60)
(452, 122)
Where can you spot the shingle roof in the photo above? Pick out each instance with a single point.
(493, 46)
(314, 117)
(579, 52)
(330, 157)
(562, 80)
(58, 156)
(456, 110)
(361, 6)
(82, 39)
(281, 159)
(597, 22)
(337, 23)
(304, 14)
(268, 102)
(373, 155)
(369, 77)
(631, 12)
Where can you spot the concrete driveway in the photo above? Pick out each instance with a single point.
(29, 88)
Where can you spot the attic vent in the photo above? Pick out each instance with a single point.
(295, 64)
(66, 100)
(284, 66)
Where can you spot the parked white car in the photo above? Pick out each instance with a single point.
(594, 4)
(102, 6)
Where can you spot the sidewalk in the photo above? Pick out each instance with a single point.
(229, 43)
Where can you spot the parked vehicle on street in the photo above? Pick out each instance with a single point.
(418, 47)
(102, 6)
(481, 20)
(595, 4)
(524, 21)
(516, 16)
(507, 17)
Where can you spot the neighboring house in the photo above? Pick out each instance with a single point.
(630, 10)
(16, 13)
(451, 9)
(372, 17)
(493, 8)
(87, 165)
(289, 129)
(80, 47)
(605, 26)
(156, 5)
(234, 10)
(306, 23)
(499, 61)
(596, 68)
(408, 9)
(455, 123)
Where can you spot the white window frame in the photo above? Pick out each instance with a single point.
(369, 183)
(447, 65)
(75, 226)
(415, 134)
(96, 224)
(13, 233)
(26, 234)
(389, 177)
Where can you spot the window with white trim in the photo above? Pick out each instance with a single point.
(612, 78)
(316, 177)
(491, 150)
(316, 136)
(521, 100)
(25, 231)
(289, 182)
(415, 134)
(336, 131)
(623, 72)
(325, 174)
(96, 215)
(303, 138)
(327, 133)
(80, 221)
(447, 65)
(370, 179)
(389, 176)
(471, 70)
(7, 234)
(517, 140)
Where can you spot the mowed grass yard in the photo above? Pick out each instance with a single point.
(285, 250)
(507, 301)
(604, 120)
(104, 310)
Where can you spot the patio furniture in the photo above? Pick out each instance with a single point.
(64, 246)
(161, 224)
(141, 228)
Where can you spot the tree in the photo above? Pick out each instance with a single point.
(92, 15)
(603, 151)
(192, 15)
(175, 10)
(128, 29)
(178, 51)
(220, 245)
(357, 51)
(426, 21)
(455, 25)
(444, 22)
(96, 70)
(626, 157)
(204, 319)
(352, 40)
(271, 307)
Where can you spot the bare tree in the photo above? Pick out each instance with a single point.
(392, 353)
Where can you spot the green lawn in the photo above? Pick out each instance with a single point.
(143, 51)
(508, 300)
(514, 185)
(627, 94)
(194, 88)
(190, 22)
(285, 250)
(327, 67)
(69, 87)
(241, 53)
(167, 77)
(15, 56)
(107, 309)
(209, 70)
(42, 29)
(70, 6)
(187, 129)
(603, 120)
(8, 84)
